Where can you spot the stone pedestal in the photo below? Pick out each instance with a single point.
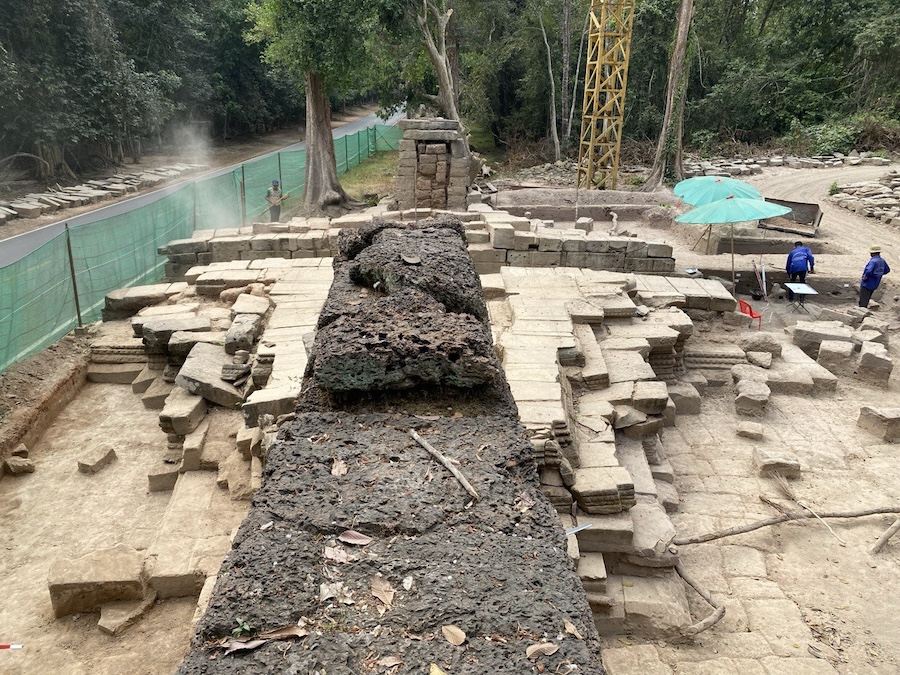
(434, 165)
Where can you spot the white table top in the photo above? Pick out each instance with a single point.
(802, 289)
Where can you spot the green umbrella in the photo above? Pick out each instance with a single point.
(733, 210)
(705, 189)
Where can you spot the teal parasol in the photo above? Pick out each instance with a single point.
(706, 189)
(733, 210)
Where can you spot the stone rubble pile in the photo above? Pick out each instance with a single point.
(841, 349)
(874, 199)
(91, 192)
(746, 167)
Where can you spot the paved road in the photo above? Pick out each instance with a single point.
(16, 248)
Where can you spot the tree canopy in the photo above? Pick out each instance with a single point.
(83, 81)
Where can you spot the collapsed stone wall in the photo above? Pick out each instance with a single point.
(397, 350)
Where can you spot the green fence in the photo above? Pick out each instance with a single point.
(47, 293)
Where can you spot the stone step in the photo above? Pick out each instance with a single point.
(114, 373)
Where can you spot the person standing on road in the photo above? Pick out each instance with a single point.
(273, 197)
(871, 276)
(799, 261)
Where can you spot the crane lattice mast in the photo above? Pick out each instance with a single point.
(606, 76)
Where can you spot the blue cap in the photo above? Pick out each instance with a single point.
(274, 182)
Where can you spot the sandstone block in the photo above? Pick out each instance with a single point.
(875, 365)
(837, 357)
(592, 571)
(502, 235)
(182, 412)
(808, 335)
(750, 430)
(751, 397)
(275, 401)
(656, 606)
(115, 617)
(250, 304)
(142, 382)
(17, 466)
(201, 375)
(882, 422)
(650, 397)
(685, 397)
(769, 461)
(761, 342)
(157, 393)
(761, 359)
(243, 332)
(114, 373)
(96, 459)
(158, 331)
(85, 584)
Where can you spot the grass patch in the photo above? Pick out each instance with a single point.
(373, 179)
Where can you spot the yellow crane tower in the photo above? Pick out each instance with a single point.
(605, 79)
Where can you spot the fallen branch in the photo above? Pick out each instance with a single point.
(447, 464)
(883, 539)
(788, 491)
(792, 515)
(713, 618)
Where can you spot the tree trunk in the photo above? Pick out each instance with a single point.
(566, 65)
(324, 193)
(553, 133)
(668, 160)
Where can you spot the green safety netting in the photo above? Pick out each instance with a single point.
(36, 302)
(37, 294)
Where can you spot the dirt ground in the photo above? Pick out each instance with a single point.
(840, 594)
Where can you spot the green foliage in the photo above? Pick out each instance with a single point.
(833, 189)
(242, 628)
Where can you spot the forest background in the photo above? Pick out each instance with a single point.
(86, 84)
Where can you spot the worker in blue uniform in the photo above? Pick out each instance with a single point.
(799, 261)
(871, 276)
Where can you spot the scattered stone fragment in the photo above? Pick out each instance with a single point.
(20, 451)
(17, 466)
(761, 359)
(771, 461)
(837, 357)
(882, 422)
(875, 365)
(751, 398)
(685, 397)
(243, 333)
(201, 374)
(751, 430)
(96, 459)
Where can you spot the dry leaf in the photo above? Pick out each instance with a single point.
(408, 583)
(286, 632)
(244, 646)
(571, 630)
(339, 468)
(381, 588)
(355, 538)
(389, 662)
(454, 635)
(435, 670)
(542, 649)
(336, 554)
(336, 591)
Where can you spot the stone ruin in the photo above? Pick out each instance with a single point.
(435, 165)
(403, 343)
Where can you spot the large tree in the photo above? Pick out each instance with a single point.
(325, 43)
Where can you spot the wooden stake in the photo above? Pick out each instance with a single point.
(447, 464)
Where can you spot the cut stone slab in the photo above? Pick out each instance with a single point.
(85, 584)
(685, 397)
(243, 333)
(115, 617)
(114, 373)
(124, 302)
(592, 570)
(157, 393)
(790, 379)
(751, 398)
(653, 534)
(650, 397)
(192, 448)
(761, 359)
(181, 342)
(163, 477)
(750, 430)
(17, 466)
(808, 335)
(251, 304)
(612, 532)
(634, 660)
(875, 365)
(144, 379)
(249, 442)
(628, 367)
(769, 462)
(158, 330)
(96, 459)
(761, 342)
(275, 401)
(182, 412)
(627, 416)
(837, 357)
(881, 422)
(656, 607)
(201, 375)
(603, 490)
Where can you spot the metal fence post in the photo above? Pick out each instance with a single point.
(194, 217)
(243, 199)
(346, 155)
(280, 179)
(358, 149)
(72, 273)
